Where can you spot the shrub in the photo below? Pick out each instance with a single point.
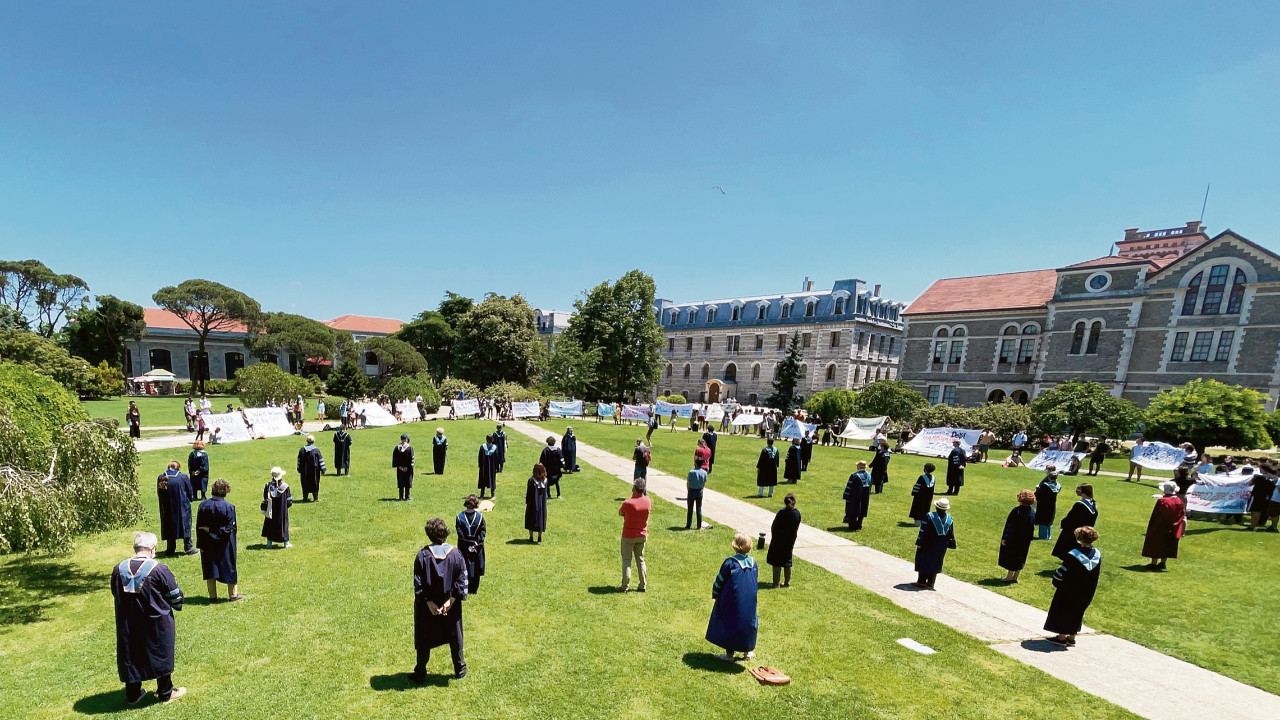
(220, 387)
(47, 358)
(332, 403)
(673, 398)
(1209, 413)
(509, 391)
(894, 398)
(410, 386)
(942, 415)
(1004, 419)
(827, 405)
(39, 408)
(451, 387)
(260, 382)
(105, 381)
(348, 381)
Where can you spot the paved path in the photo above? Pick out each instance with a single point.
(1136, 678)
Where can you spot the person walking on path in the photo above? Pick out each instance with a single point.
(635, 531)
(922, 495)
(1165, 528)
(402, 459)
(277, 498)
(175, 494)
(471, 529)
(782, 540)
(857, 497)
(439, 587)
(342, 452)
(1015, 541)
(198, 469)
(937, 535)
(310, 468)
(439, 451)
(145, 594)
(1084, 512)
(767, 469)
(1047, 503)
(216, 540)
(641, 456)
(1075, 584)
(694, 484)
(956, 461)
(535, 503)
(880, 465)
(553, 460)
(734, 623)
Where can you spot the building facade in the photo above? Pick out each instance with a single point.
(1169, 306)
(551, 323)
(729, 349)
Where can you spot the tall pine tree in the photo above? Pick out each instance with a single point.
(786, 378)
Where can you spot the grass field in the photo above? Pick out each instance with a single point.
(325, 630)
(157, 411)
(1214, 607)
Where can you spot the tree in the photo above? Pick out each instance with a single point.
(348, 381)
(47, 358)
(308, 339)
(11, 319)
(570, 370)
(260, 382)
(827, 405)
(1084, 408)
(452, 388)
(408, 387)
(786, 378)
(100, 334)
(618, 320)
(41, 295)
(206, 306)
(497, 337)
(395, 357)
(894, 398)
(1209, 413)
(432, 336)
(508, 392)
(1004, 419)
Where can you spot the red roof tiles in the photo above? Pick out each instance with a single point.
(161, 319)
(361, 324)
(1006, 291)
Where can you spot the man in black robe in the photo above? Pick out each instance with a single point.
(569, 448)
(806, 451)
(439, 451)
(956, 461)
(402, 459)
(710, 438)
(487, 467)
(216, 538)
(310, 468)
(146, 594)
(439, 587)
(791, 467)
(500, 440)
(553, 461)
(342, 452)
(176, 495)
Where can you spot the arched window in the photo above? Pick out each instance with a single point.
(1214, 290)
(809, 308)
(831, 372)
(1095, 333)
(731, 372)
(839, 306)
(711, 315)
(995, 396)
(1027, 346)
(1236, 298)
(1020, 397)
(1008, 344)
(160, 359)
(958, 332)
(706, 371)
(877, 375)
(755, 371)
(1193, 294)
(1077, 338)
(669, 369)
(760, 311)
(786, 309)
(736, 315)
(370, 358)
(693, 315)
(686, 370)
(804, 370)
(233, 361)
(857, 375)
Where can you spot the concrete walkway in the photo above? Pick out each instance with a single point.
(1129, 675)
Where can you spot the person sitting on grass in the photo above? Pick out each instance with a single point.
(734, 623)
(1075, 584)
(439, 587)
(1073, 466)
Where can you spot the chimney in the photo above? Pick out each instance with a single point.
(1194, 227)
(804, 286)
(1130, 233)
(876, 292)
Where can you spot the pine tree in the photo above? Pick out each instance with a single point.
(347, 381)
(786, 378)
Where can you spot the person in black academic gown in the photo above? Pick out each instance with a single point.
(880, 465)
(216, 538)
(553, 461)
(767, 469)
(791, 467)
(310, 468)
(806, 451)
(857, 496)
(277, 498)
(710, 438)
(1015, 541)
(487, 465)
(922, 495)
(175, 494)
(535, 503)
(956, 461)
(471, 530)
(782, 540)
(1047, 503)
(1084, 512)
(402, 459)
(937, 535)
(198, 469)
(500, 439)
(1075, 584)
(146, 594)
(439, 451)
(439, 587)
(569, 448)
(342, 452)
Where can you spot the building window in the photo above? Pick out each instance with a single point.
(1098, 282)
(693, 316)
(760, 312)
(804, 370)
(735, 343)
(1236, 298)
(1008, 345)
(1224, 345)
(233, 361)
(949, 395)
(957, 351)
(857, 375)
(759, 342)
(706, 344)
(671, 345)
(1193, 294)
(861, 335)
(706, 371)
(688, 344)
(831, 373)
(809, 308)
(686, 371)
(939, 352)
(1095, 334)
(731, 372)
(160, 359)
(1179, 347)
(934, 394)
(198, 365)
(1200, 347)
(755, 371)
(735, 314)
(1077, 339)
(711, 315)
(1026, 348)
(1214, 291)
(839, 306)
(128, 363)
(370, 359)
(786, 309)
(835, 339)
(782, 341)
(805, 340)
(891, 346)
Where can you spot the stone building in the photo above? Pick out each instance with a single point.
(729, 349)
(1167, 307)
(551, 323)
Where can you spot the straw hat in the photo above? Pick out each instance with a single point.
(1168, 488)
(277, 473)
(942, 504)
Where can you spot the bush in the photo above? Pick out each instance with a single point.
(827, 405)
(106, 381)
(510, 392)
(220, 387)
(317, 385)
(942, 415)
(332, 403)
(451, 387)
(264, 381)
(46, 357)
(1209, 413)
(348, 381)
(408, 387)
(39, 408)
(1004, 419)
(894, 398)
(674, 399)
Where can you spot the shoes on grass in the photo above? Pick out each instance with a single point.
(177, 693)
(138, 700)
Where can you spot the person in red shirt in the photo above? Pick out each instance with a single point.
(702, 455)
(635, 530)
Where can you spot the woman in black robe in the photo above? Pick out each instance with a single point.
(880, 466)
(216, 539)
(1075, 582)
(402, 459)
(146, 594)
(1015, 541)
(198, 469)
(439, 587)
(782, 540)
(500, 439)
(342, 452)
(277, 498)
(175, 496)
(133, 418)
(806, 451)
(439, 450)
(535, 503)
(922, 495)
(569, 448)
(471, 530)
(1084, 512)
(791, 468)
(310, 468)
(767, 469)
(1047, 503)
(487, 467)
(937, 535)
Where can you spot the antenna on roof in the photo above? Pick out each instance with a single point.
(1206, 201)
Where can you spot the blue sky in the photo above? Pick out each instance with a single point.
(364, 158)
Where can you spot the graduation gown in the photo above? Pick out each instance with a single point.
(1047, 501)
(880, 468)
(734, 623)
(216, 539)
(175, 505)
(439, 572)
(471, 530)
(487, 462)
(1075, 582)
(1260, 491)
(711, 439)
(782, 537)
(791, 468)
(806, 452)
(955, 467)
(535, 505)
(146, 594)
(937, 535)
(500, 439)
(1084, 512)
(1019, 528)
(1165, 528)
(857, 496)
(310, 468)
(569, 449)
(198, 471)
(767, 467)
(553, 461)
(275, 525)
(403, 456)
(342, 451)
(439, 451)
(922, 497)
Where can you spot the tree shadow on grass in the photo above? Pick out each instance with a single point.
(28, 587)
(401, 682)
(710, 663)
(112, 701)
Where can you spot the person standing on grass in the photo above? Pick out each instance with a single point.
(1165, 528)
(956, 461)
(806, 451)
(695, 482)
(439, 451)
(1019, 441)
(922, 495)
(403, 460)
(880, 465)
(641, 457)
(198, 469)
(1133, 456)
(201, 426)
(710, 439)
(535, 503)
(471, 530)
(569, 448)
(653, 425)
(277, 498)
(487, 467)
(734, 623)
(985, 439)
(937, 535)
(1015, 541)
(791, 466)
(310, 468)
(767, 469)
(1097, 455)
(216, 539)
(320, 409)
(553, 461)
(133, 418)
(1261, 487)
(782, 540)
(635, 531)
(175, 494)
(342, 452)
(439, 587)
(857, 497)
(500, 441)
(1084, 512)
(1075, 584)
(189, 413)
(146, 594)
(701, 455)
(1047, 503)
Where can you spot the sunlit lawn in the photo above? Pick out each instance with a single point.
(156, 410)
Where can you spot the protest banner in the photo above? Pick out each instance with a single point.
(526, 409)
(863, 428)
(714, 412)
(937, 441)
(268, 422)
(375, 415)
(469, 406)
(408, 410)
(1057, 458)
(605, 409)
(747, 419)
(1227, 494)
(565, 409)
(230, 427)
(793, 428)
(1159, 456)
(635, 412)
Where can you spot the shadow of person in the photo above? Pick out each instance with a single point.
(1136, 568)
(994, 582)
(909, 587)
(257, 546)
(112, 701)
(196, 600)
(401, 682)
(603, 590)
(1042, 646)
(708, 662)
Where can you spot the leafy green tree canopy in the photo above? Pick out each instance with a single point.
(498, 336)
(618, 320)
(11, 319)
(894, 398)
(48, 358)
(260, 382)
(100, 334)
(298, 335)
(1084, 408)
(431, 335)
(408, 387)
(206, 307)
(395, 357)
(348, 381)
(571, 371)
(1209, 413)
(827, 405)
(41, 295)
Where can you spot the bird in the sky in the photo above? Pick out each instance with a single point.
(717, 187)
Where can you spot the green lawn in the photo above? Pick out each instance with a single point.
(325, 630)
(1214, 601)
(157, 411)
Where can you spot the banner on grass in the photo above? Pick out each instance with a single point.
(527, 409)
(1227, 494)
(714, 412)
(375, 415)
(1057, 458)
(664, 409)
(565, 409)
(793, 428)
(605, 409)
(470, 406)
(635, 412)
(230, 427)
(1159, 456)
(937, 441)
(408, 410)
(268, 422)
(746, 419)
(863, 428)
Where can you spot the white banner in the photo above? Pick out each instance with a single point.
(748, 419)
(937, 441)
(1057, 458)
(635, 412)
(375, 415)
(230, 427)
(1159, 456)
(269, 422)
(665, 409)
(565, 409)
(527, 409)
(863, 428)
(1227, 494)
(793, 428)
(605, 409)
(714, 412)
(470, 406)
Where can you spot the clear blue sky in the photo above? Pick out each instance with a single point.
(364, 158)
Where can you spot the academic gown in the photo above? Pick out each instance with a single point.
(767, 467)
(922, 497)
(1084, 512)
(880, 468)
(782, 538)
(806, 452)
(535, 505)
(275, 527)
(937, 535)
(791, 468)
(500, 440)
(1046, 501)
(342, 452)
(955, 467)
(216, 539)
(403, 457)
(1261, 488)
(439, 451)
(553, 461)
(310, 468)
(1165, 528)
(734, 623)
(439, 572)
(711, 438)
(145, 630)
(569, 449)
(471, 530)
(487, 462)
(1019, 528)
(1075, 582)
(198, 471)
(175, 505)
(857, 496)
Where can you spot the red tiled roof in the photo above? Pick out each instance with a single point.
(1006, 291)
(161, 319)
(359, 323)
